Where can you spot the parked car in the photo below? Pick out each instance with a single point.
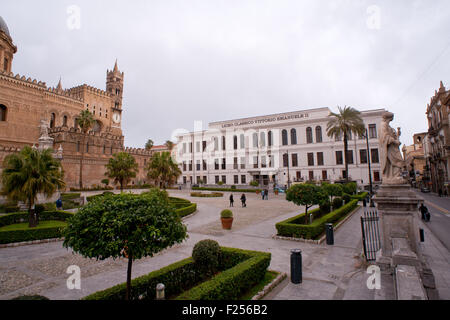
(280, 189)
(425, 189)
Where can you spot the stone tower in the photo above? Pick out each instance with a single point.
(7, 48)
(114, 85)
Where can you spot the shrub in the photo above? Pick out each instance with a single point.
(360, 196)
(346, 197)
(220, 183)
(51, 206)
(233, 187)
(226, 214)
(350, 188)
(207, 195)
(254, 183)
(206, 256)
(225, 189)
(105, 181)
(325, 206)
(337, 203)
(182, 212)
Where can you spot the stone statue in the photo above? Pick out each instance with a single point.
(392, 162)
(44, 129)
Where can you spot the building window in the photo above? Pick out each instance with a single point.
(243, 179)
(311, 175)
(270, 161)
(324, 175)
(5, 64)
(242, 141)
(216, 144)
(204, 165)
(205, 180)
(285, 160)
(235, 142)
(338, 137)
(3, 110)
(190, 147)
(372, 131)
(184, 165)
(318, 134)
(190, 165)
(235, 163)
(223, 143)
(349, 135)
(65, 121)
(309, 136)
(198, 165)
(216, 178)
(262, 138)
(339, 159)
(293, 136)
(52, 120)
(255, 162)
(236, 179)
(376, 176)
(310, 159)
(224, 179)
(87, 147)
(184, 180)
(243, 162)
(363, 156)
(216, 164)
(269, 138)
(255, 140)
(224, 164)
(284, 137)
(294, 160)
(197, 146)
(203, 146)
(320, 158)
(298, 175)
(263, 162)
(350, 156)
(374, 155)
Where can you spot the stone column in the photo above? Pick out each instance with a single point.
(398, 210)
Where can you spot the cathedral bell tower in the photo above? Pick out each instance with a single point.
(114, 86)
(7, 48)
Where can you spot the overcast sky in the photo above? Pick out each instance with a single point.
(214, 60)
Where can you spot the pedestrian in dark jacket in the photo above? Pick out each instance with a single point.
(425, 213)
(266, 194)
(243, 199)
(262, 194)
(59, 204)
(231, 200)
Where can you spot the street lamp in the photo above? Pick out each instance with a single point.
(289, 179)
(370, 171)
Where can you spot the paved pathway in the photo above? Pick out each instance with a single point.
(329, 272)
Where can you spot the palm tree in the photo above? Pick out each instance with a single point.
(163, 169)
(29, 173)
(149, 144)
(342, 124)
(85, 121)
(169, 145)
(122, 167)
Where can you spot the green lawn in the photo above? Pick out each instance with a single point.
(268, 278)
(42, 225)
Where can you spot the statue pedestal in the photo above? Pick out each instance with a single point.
(45, 143)
(398, 210)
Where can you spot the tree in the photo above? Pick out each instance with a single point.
(29, 173)
(332, 190)
(342, 124)
(163, 169)
(105, 182)
(305, 194)
(121, 167)
(125, 226)
(169, 145)
(85, 122)
(350, 188)
(149, 144)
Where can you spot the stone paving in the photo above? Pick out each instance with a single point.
(329, 272)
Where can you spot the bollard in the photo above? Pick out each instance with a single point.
(160, 295)
(296, 266)
(422, 235)
(330, 233)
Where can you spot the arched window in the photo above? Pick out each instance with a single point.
(255, 140)
(284, 137)
(242, 138)
(309, 136)
(318, 134)
(269, 138)
(235, 142)
(262, 139)
(3, 110)
(52, 120)
(65, 121)
(293, 136)
(87, 147)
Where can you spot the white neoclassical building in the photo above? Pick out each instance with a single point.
(273, 149)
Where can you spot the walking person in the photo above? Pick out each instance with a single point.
(59, 204)
(266, 193)
(231, 200)
(425, 213)
(262, 194)
(440, 192)
(243, 199)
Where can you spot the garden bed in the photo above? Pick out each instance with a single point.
(207, 195)
(239, 271)
(294, 228)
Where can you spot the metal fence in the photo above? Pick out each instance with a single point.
(370, 234)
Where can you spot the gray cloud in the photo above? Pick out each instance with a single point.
(217, 60)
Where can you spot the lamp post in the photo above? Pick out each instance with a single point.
(370, 171)
(289, 179)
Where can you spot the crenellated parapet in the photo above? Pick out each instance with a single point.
(138, 151)
(10, 149)
(77, 91)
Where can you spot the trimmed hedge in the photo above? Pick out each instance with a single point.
(292, 227)
(207, 195)
(225, 189)
(31, 234)
(241, 269)
(360, 196)
(182, 212)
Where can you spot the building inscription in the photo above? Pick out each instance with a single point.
(265, 120)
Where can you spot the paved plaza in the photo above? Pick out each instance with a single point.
(329, 272)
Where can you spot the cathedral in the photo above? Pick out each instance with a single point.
(25, 103)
